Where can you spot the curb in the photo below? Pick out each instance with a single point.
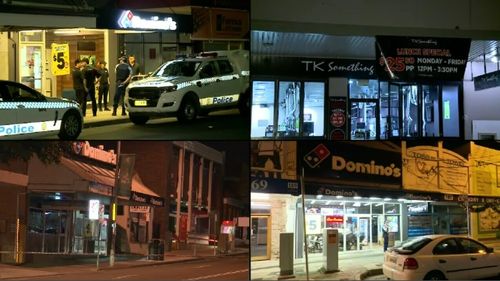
(369, 272)
(105, 123)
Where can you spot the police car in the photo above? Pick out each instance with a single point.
(189, 87)
(26, 113)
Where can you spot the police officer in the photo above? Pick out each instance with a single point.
(103, 85)
(123, 75)
(78, 85)
(90, 74)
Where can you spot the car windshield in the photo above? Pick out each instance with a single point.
(177, 68)
(412, 245)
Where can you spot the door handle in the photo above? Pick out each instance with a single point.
(442, 261)
(473, 258)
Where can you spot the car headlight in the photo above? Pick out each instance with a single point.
(169, 89)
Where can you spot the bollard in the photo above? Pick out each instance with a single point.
(330, 250)
(286, 256)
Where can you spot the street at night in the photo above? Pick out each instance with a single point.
(214, 268)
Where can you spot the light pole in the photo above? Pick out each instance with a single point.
(113, 207)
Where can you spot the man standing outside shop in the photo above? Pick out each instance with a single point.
(90, 74)
(136, 68)
(385, 234)
(123, 74)
(103, 85)
(78, 85)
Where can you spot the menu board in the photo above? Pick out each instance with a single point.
(421, 58)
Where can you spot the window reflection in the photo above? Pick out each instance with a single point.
(363, 89)
(288, 109)
(262, 109)
(314, 109)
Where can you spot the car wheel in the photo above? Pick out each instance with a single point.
(434, 275)
(71, 126)
(188, 109)
(138, 119)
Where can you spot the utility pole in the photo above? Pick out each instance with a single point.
(114, 200)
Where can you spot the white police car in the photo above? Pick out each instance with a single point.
(26, 113)
(190, 87)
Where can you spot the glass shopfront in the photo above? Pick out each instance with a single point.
(288, 109)
(358, 220)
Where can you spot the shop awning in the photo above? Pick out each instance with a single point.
(101, 180)
(13, 178)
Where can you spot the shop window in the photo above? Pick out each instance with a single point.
(132, 37)
(378, 208)
(440, 223)
(288, 109)
(138, 228)
(314, 109)
(262, 109)
(384, 110)
(409, 96)
(430, 110)
(31, 36)
(451, 118)
(363, 89)
(392, 208)
(457, 224)
(363, 120)
(151, 37)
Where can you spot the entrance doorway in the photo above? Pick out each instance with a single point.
(260, 238)
(358, 234)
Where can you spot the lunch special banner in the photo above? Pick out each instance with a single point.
(421, 58)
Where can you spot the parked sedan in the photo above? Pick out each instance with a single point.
(26, 113)
(439, 257)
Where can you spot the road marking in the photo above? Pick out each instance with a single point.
(218, 275)
(124, 276)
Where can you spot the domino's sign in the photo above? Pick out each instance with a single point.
(353, 163)
(128, 20)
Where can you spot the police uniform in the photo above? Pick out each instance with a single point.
(123, 71)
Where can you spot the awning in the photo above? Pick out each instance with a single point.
(9, 177)
(101, 181)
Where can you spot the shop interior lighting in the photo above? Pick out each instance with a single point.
(387, 199)
(356, 204)
(313, 201)
(366, 204)
(328, 202)
(256, 195)
(260, 206)
(357, 197)
(319, 196)
(379, 204)
(72, 31)
(401, 199)
(374, 198)
(339, 196)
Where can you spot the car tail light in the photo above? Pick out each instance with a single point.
(410, 263)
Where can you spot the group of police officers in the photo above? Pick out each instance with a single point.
(86, 77)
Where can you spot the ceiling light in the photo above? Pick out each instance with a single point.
(357, 197)
(374, 198)
(339, 196)
(257, 196)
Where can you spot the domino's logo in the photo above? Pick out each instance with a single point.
(317, 155)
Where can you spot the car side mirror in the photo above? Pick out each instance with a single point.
(489, 250)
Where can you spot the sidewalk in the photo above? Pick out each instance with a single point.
(352, 266)
(103, 118)
(88, 264)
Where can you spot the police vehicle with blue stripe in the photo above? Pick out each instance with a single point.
(189, 87)
(26, 113)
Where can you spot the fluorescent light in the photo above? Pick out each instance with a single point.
(374, 198)
(387, 199)
(319, 196)
(357, 197)
(357, 204)
(260, 205)
(328, 202)
(379, 204)
(257, 195)
(401, 199)
(340, 196)
(72, 31)
(313, 201)
(366, 204)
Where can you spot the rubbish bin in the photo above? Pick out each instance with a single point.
(156, 249)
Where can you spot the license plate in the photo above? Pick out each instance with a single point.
(141, 103)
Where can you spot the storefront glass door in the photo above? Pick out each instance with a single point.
(389, 111)
(411, 114)
(30, 67)
(314, 109)
(289, 108)
(363, 119)
(357, 232)
(430, 110)
(260, 238)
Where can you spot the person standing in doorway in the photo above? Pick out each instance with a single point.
(103, 85)
(123, 76)
(78, 85)
(136, 68)
(90, 74)
(385, 234)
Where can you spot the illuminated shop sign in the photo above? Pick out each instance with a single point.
(421, 58)
(353, 163)
(334, 219)
(129, 20)
(139, 20)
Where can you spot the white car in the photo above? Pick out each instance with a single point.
(189, 87)
(26, 113)
(439, 257)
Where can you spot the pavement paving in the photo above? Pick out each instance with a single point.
(352, 266)
(103, 118)
(86, 264)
